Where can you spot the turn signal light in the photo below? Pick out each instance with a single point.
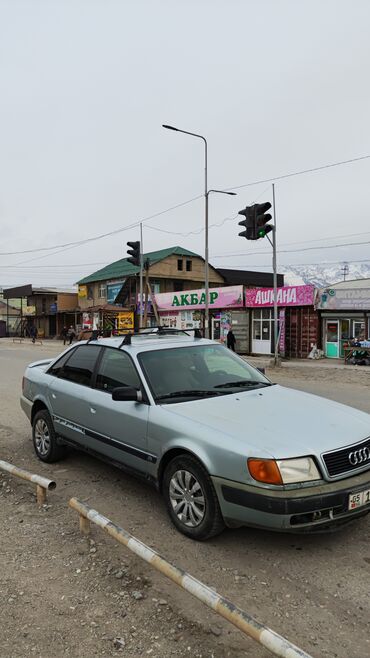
(264, 470)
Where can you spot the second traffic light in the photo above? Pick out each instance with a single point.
(255, 221)
(134, 253)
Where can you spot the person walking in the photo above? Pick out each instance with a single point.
(71, 334)
(231, 340)
(33, 333)
(64, 334)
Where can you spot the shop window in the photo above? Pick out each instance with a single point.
(189, 265)
(180, 264)
(156, 287)
(102, 291)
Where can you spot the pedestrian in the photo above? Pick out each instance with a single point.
(230, 339)
(71, 334)
(33, 333)
(64, 334)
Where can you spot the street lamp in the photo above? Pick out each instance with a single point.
(206, 194)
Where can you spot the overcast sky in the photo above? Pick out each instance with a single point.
(276, 86)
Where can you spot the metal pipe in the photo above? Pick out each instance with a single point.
(42, 484)
(141, 276)
(274, 266)
(275, 643)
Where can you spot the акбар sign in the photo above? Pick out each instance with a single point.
(286, 296)
(231, 296)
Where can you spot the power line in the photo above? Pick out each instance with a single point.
(300, 173)
(102, 235)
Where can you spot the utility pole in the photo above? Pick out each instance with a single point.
(274, 269)
(141, 276)
(345, 270)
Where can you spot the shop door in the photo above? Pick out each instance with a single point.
(261, 331)
(332, 339)
(216, 329)
(358, 329)
(344, 336)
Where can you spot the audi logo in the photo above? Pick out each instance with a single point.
(359, 456)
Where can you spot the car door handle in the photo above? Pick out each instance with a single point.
(53, 396)
(93, 410)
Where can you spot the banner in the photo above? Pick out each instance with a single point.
(231, 296)
(125, 321)
(112, 291)
(341, 298)
(82, 292)
(286, 296)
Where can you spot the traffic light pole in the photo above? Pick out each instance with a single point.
(141, 277)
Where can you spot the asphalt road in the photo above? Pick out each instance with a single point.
(312, 589)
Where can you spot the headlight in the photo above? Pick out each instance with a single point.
(283, 471)
(298, 470)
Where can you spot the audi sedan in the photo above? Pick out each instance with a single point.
(224, 445)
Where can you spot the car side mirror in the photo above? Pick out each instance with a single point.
(262, 370)
(127, 394)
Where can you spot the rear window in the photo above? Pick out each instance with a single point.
(80, 366)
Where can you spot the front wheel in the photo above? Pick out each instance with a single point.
(191, 499)
(44, 438)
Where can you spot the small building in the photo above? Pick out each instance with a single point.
(48, 309)
(297, 317)
(109, 297)
(344, 310)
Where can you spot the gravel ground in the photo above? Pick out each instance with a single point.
(65, 595)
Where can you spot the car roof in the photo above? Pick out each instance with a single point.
(149, 342)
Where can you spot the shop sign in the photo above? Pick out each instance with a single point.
(53, 308)
(113, 290)
(125, 321)
(181, 319)
(347, 299)
(286, 296)
(29, 310)
(82, 292)
(282, 331)
(231, 296)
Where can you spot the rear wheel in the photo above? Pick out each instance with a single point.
(191, 499)
(44, 438)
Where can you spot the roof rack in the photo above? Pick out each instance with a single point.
(160, 330)
(94, 336)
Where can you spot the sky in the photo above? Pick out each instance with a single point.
(276, 87)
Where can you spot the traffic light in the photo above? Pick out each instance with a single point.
(262, 217)
(255, 221)
(248, 222)
(134, 252)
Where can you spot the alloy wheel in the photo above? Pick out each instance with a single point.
(187, 498)
(42, 437)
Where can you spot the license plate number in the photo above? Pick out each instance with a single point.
(359, 499)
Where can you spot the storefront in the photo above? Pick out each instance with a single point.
(345, 315)
(185, 310)
(298, 322)
(108, 318)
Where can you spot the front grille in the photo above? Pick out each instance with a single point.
(338, 462)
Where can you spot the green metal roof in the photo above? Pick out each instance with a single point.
(122, 269)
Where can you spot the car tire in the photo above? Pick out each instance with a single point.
(44, 438)
(187, 486)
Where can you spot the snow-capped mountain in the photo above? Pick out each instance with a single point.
(322, 275)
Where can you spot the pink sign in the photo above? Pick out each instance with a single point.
(231, 296)
(286, 296)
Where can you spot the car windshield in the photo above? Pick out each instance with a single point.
(200, 371)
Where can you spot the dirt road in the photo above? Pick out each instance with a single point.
(63, 595)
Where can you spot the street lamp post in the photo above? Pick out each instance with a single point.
(206, 194)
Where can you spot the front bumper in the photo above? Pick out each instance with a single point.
(294, 510)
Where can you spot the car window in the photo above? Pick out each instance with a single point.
(203, 367)
(116, 369)
(57, 367)
(80, 367)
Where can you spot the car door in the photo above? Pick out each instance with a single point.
(69, 391)
(115, 428)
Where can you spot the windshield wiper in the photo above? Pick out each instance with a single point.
(243, 382)
(188, 393)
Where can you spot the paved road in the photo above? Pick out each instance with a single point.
(312, 589)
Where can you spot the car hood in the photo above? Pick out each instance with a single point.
(280, 421)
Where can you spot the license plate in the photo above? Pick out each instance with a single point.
(359, 499)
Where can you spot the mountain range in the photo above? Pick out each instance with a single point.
(322, 275)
